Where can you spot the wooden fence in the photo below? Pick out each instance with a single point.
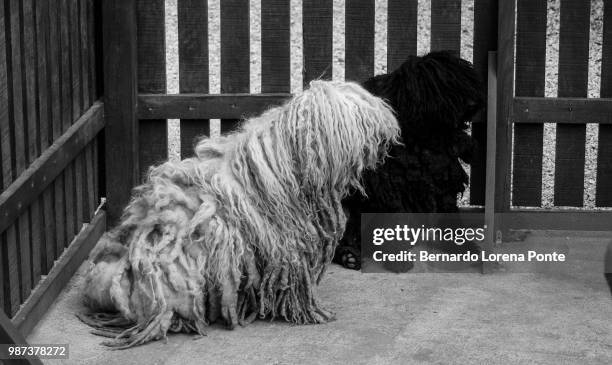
(523, 110)
(49, 119)
(194, 106)
(50, 80)
(519, 136)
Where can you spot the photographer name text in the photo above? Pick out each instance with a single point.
(483, 256)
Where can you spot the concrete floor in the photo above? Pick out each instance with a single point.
(559, 315)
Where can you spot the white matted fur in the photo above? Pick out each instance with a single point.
(247, 227)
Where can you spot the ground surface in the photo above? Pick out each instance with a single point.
(558, 316)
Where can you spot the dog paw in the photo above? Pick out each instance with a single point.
(350, 258)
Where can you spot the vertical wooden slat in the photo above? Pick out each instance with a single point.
(32, 247)
(78, 102)
(44, 112)
(49, 230)
(11, 271)
(77, 108)
(234, 52)
(85, 45)
(6, 151)
(3, 283)
(569, 165)
(65, 68)
(445, 25)
(491, 204)
(25, 263)
(153, 140)
(530, 67)
(75, 59)
(573, 74)
(527, 162)
(19, 242)
(478, 166)
(54, 69)
(47, 216)
(153, 143)
(29, 72)
(16, 91)
(9, 281)
(94, 33)
(80, 178)
(37, 242)
(99, 172)
(151, 46)
(275, 63)
(90, 192)
(97, 79)
(500, 96)
(401, 31)
(193, 65)
(57, 200)
(30, 221)
(485, 40)
(359, 40)
(67, 116)
(603, 193)
(121, 161)
(70, 203)
(41, 141)
(60, 215)
(317, 27)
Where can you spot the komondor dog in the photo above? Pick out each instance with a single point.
(246, 228)
(434, 97)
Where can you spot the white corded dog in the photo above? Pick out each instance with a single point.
(244, 229)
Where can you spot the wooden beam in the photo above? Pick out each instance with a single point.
(570, 219)
(485, 40)
(205, 106)
(32, 182)
(505, 90)
(10, 335)
(562, 110)
(525, 109)
(120, 73)
(549, 219)
(49, 288)
(499, 134)
(491, 184)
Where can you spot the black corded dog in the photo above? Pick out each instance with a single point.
(434, 97)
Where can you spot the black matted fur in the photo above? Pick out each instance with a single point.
(434, 96)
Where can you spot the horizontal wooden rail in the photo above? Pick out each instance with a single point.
(49, 288)
(546, 219)
(562, 110)
(205, 106)
(11, 335)
(571, 219)
(33, 181)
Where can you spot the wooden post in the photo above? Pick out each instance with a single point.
(491, 182)
(505, 95)
(499, 131)
(10, 335)
(120, 100)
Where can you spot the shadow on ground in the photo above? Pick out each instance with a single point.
(560, 315)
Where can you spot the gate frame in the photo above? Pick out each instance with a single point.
(511, 109)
